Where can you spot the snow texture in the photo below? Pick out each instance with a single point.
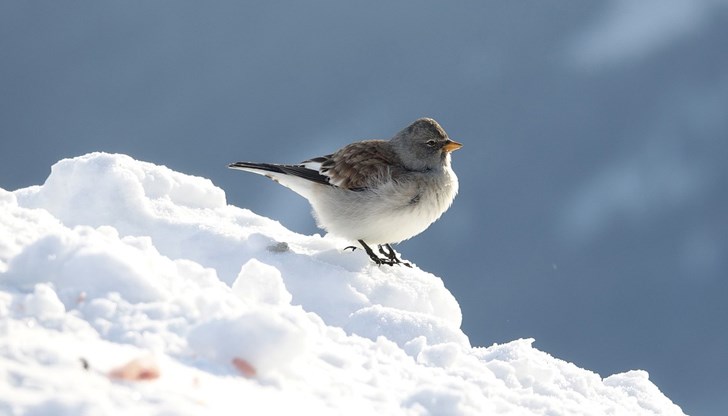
(116, 262)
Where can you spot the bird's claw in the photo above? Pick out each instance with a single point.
(390, 256)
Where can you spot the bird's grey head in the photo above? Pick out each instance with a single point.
(424, 145)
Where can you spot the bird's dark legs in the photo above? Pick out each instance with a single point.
(371, 254)
(390, 256)
(386, 254)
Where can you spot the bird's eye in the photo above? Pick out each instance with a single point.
(431, 143)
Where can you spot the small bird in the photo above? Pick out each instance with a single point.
(376, 191)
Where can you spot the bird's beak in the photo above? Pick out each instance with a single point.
(451, 145)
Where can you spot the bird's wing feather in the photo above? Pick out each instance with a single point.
(296, 170)
(360, 165)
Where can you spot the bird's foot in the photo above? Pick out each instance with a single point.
(350, 247)
(390, 256)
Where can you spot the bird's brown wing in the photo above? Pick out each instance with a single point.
(360, 165)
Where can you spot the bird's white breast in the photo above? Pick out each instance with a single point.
(390, 213)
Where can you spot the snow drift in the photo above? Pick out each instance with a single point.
(126, 287)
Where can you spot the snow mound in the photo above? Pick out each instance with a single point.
(114, 264)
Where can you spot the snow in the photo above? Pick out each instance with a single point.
(181, 304)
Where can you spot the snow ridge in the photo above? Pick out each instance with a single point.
(216, 310)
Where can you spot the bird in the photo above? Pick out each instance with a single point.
(375, 192)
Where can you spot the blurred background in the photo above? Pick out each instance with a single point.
(592, 213)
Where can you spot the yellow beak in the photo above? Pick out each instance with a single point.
(451, 145)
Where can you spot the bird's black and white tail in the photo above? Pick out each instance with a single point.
(298, 178)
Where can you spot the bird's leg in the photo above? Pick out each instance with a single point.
(374, 257)
(386, 254)
(392, 255)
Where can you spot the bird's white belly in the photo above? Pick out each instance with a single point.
(387, 215)
(395, 227)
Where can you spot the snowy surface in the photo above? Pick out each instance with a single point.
(127, 265)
